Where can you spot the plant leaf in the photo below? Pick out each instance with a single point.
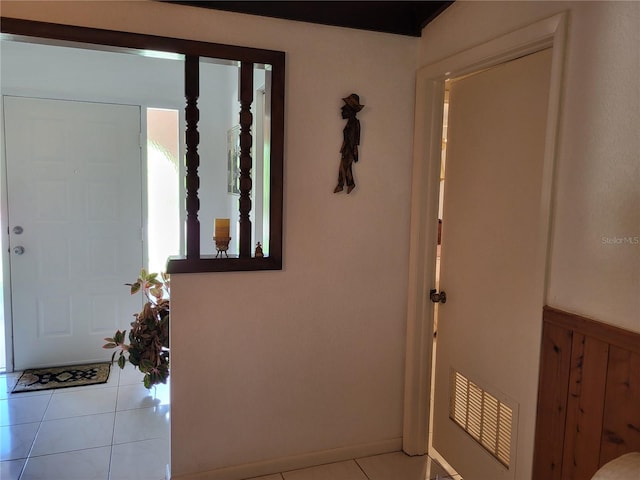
(146, 365)
(118, 338)
(157, 292)
(135, 287)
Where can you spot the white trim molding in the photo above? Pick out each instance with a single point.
(430, 88)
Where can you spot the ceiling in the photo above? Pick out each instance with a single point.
(397, 17)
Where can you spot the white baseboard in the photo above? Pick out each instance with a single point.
(295, 462)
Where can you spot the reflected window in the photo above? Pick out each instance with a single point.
(163, 226)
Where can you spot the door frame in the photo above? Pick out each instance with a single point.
(4, 246)
(430, 87)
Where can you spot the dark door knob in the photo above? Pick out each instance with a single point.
(438, 297)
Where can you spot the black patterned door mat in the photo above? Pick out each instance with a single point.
(62, 377)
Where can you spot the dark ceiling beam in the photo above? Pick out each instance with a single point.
(397, 17)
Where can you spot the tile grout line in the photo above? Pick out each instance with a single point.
(35, 437)
(361, 469)
(113, 431)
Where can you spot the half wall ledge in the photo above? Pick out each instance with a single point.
(208, 263)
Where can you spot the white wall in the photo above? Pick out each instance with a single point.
(597, 191)
(272, 365)
(78, 74)
(218, 113)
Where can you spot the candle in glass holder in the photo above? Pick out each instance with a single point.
(221, 228)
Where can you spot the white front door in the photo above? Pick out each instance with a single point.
(75, 226)
(492, 270)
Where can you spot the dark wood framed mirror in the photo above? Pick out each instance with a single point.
(195, 53)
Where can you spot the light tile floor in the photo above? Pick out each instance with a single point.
(121, 431)
(114, 431)
(389, 466)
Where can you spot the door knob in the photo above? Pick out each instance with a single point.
(438, 297)
(19, 250)
(18, 230)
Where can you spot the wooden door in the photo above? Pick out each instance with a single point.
(492, 269)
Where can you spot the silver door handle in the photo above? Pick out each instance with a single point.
(19, 250)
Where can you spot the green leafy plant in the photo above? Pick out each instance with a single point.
(148, 347)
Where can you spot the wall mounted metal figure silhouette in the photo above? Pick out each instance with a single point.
(351, 140)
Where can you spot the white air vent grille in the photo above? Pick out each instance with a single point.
(481, 415)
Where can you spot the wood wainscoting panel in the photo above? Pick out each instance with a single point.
(621, 426)
(552, 402)
(588, 396)
(585, 407)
